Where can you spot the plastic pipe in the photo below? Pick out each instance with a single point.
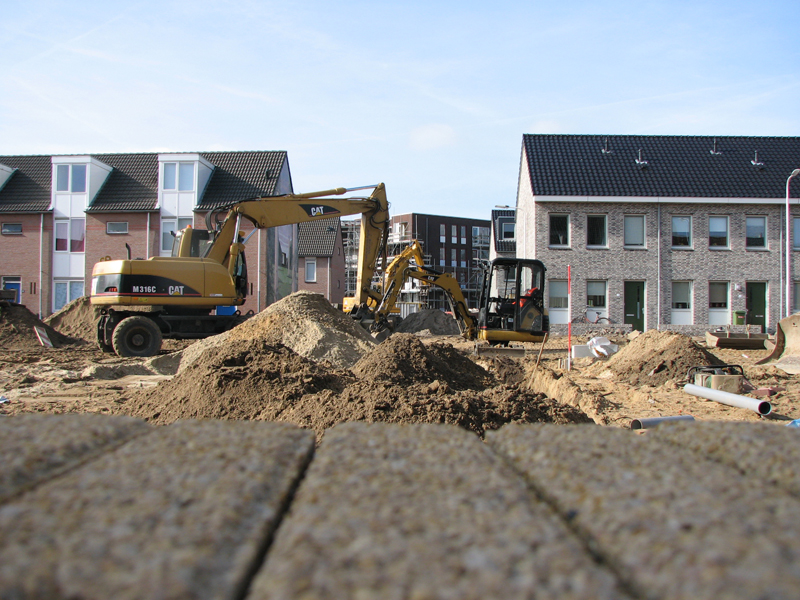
(762, 407)
(655, 421)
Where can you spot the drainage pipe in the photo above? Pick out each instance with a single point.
(655, 421)
(762, 407)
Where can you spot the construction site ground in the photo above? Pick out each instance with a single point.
(293, 460)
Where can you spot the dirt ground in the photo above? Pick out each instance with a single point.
(408, 378)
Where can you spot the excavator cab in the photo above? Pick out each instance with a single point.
(192, 243)
(512, 302)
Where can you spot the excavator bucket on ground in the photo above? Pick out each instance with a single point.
(786, 354)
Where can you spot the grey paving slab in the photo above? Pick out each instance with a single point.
(671, 523)
(422, 512)
(765, 451)
(183, 512)
(34, 448)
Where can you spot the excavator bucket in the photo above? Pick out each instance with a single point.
(786, 354)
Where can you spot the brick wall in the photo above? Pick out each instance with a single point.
(21, 255)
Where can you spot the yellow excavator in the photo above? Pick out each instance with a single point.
(208, 269)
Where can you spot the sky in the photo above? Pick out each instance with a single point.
(430, 97)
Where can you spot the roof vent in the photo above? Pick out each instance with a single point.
(757, 163)
(605, 149)
(640, 161)
(714, 150)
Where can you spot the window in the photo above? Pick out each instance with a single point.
(179, 176)
(453, 259)
(596, 231)
(717, 294)
(62, 236)
(682, 294)
(796, 296)
(454, 233)
(65, 292)
(77, 234)
(558, 294)
(463, 234)
(509, 232)
(682, 232)
(116, 227)
(170, 226)
(311, 270)
(442, 233)
(756, 232)
(634, 231)
(559, 230)
(12, 228)
(464, 257)
(71, 178)
(596, 294)
(796, 233)
(717, 232)
(441, 255)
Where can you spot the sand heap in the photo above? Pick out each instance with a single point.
(656, 357)
(78, 319)
(16, 329)
(433, 320)
(305, 322)
(257, 380)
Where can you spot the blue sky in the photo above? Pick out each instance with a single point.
(431, 98)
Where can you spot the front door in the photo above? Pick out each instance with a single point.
(756, 303)
(634, 304)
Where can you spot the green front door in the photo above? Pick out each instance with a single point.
(756, 302)
(634, 304)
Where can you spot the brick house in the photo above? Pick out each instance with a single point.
(669, 232)
(321, 259)
(61, 214)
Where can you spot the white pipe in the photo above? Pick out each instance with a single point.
(762, 407)
(655, 421)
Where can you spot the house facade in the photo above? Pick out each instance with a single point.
(321, 259)
(667, 232)
(62, 214)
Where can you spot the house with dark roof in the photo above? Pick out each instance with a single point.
(321, 259)
(668, 232)
(62, 214)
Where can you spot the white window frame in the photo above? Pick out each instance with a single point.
(110, 223)
(795, 233)
(727, 232)
(625, 242)
(795, 297)
(180, 180)
(747, 246)
(550, 230)
(688, 246)
(176, 227)
(719, 315)
(605, 231)
(508, 228)
(70, 296)
(70, 182)
(683, 315)
(601, 311)
(8, 228)
(63, 223)
(310, 271)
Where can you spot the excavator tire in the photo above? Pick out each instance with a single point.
(137, 336)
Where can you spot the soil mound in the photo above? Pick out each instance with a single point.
(16, 329)
(404, 360)
(435, 321)
(78, 319)
(656, 357)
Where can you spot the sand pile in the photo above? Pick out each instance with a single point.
(257, 380)
(656, 357)
(16, 329)
(78, 319)
(305, 322)
(435, 321)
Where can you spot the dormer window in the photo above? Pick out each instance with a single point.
(179, 176)
(508, 231)
(71, 178)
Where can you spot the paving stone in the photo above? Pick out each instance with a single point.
(34, 448)
(183, 512)
(760, 450)
(422, 512)
(671, 523)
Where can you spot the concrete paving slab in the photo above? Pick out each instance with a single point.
(671, 523)
(422, 512)
(183, 512)
(34, 448)
(764, 451)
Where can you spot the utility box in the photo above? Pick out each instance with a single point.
(739, 317)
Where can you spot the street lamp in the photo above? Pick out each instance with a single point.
(795, 173)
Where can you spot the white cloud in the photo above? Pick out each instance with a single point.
(431, 137)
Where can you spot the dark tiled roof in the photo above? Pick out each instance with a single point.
(131, 187)
(241, 175)
(317, 238)
(28, 188)
(677, 166)
(501, 245)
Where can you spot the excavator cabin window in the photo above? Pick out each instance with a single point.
(513, 296)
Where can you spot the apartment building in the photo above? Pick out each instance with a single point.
(322, 261)
(62, 214)
(669, 232)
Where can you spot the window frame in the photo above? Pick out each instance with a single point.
(604, 217)
(311, 261)
(566, 244)
(747, 245)
(4, 229)
(177, 226)
(178, 167)
(506, 228)
(690, 244)
(69, 182)
(727, 295)
(795, 233)
(554, 285)
(625, 243)
(601, 307)
(795, 296)
(58, 224)
(108, 228)
(690, 303)
(727, 244)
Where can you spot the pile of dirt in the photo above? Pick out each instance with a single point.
(433, 320)
(305, 322)
(656, 357)
(78, 319)
(17, 329)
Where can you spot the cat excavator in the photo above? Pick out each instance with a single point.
(207, 269)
